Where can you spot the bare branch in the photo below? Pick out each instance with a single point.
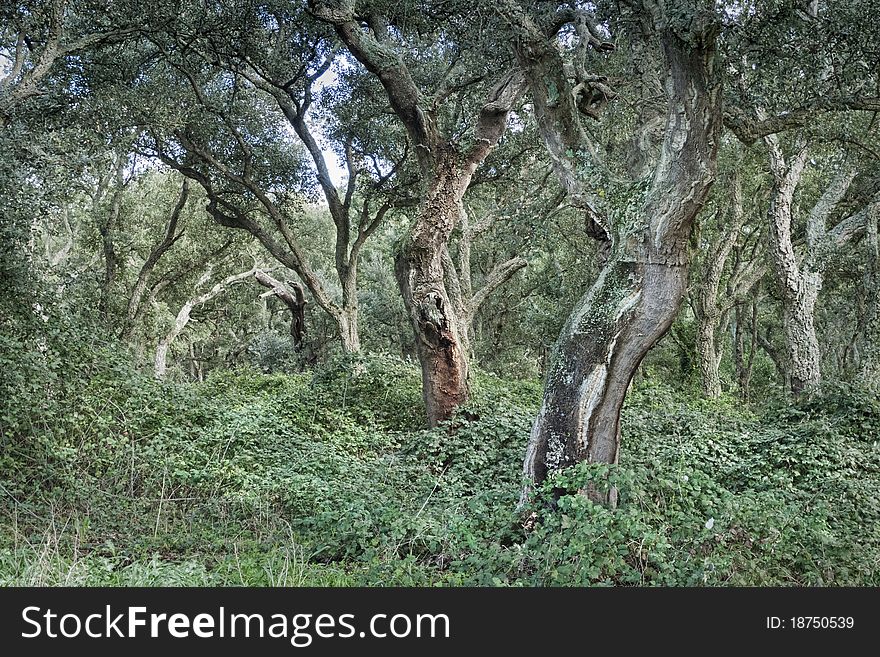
(502, 273)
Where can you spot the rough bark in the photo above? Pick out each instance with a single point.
(709, 355)
(421, 276)
(447, 168)
(640, 289)
(800, 277)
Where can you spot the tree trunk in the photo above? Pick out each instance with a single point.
(779, 361)
(868, 332)
(801, 279)
(641, 287)
(420, 275)
(709, 355)
(293, 297)
(629, 308)
(800, 287)
(133, 311)
(802, 344)
(711, 313)
(445, 172)
(742, 363)
(348, 332)
(348, 316)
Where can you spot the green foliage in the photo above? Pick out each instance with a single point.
(326, 478)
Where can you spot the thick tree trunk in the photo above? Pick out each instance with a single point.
(709, 355)
(348, 332)
(642, 285)
(421, 277)
(446, 171)
(629, 308)
(800, 287)
(801, 278)
(348, 315)
(802, 344)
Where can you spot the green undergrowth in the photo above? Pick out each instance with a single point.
(328, 478)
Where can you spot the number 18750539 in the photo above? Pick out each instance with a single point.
(810, 623)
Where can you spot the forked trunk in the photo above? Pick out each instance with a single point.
(641, 287)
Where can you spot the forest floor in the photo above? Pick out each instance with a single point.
(328, 478)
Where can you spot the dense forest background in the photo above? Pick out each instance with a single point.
(519, 292)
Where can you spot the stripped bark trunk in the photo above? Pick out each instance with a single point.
(446, 169)
(641, 287)
(420, 274)
(629, 308)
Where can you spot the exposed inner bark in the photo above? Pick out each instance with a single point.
(641, 287)
(420, 275)
(627, 310)
(447, 167)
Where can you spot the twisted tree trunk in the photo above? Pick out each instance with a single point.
(641, 287)
(446, 167)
